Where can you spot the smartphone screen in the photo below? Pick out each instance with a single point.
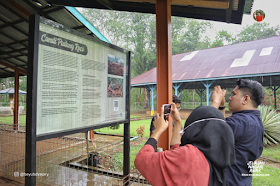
(166, 109)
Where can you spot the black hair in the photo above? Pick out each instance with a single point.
(176, 99)
(253, 89)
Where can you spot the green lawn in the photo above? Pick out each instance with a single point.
(272, 152)
(268, 176)
(10, 120)
(272, 179)
(133, 126)
(135, 116)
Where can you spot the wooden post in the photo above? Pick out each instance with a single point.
(16, 100)
(91, 134)
(164, 64)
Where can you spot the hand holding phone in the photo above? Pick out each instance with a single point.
(167, 109)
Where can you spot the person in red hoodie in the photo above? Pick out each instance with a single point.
(198, 157)
(259, 17)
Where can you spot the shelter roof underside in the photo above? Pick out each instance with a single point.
(14, 26)
(230, 11)
(259, 59)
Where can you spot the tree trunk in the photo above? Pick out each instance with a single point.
(193, 97)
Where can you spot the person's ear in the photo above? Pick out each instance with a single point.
(246, 99)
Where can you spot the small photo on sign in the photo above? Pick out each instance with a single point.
(116, 105)
(115, 87)
(115, 65)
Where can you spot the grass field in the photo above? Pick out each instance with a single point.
(268, 176)
(10, 120)
(133, 126)
(272, 152)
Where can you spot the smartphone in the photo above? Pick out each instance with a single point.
(167, 109)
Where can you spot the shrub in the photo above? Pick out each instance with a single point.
(114, 127)
(141, 130)
(271, 123)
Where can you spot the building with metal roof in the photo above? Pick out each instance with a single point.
(203, 69)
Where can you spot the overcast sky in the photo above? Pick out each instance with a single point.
(270, 7)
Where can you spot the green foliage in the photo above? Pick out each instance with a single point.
(256, 31)
(271, 123)
(221, 38)
(115, 127)
(190, 37)
(117, 160)
(141, 130)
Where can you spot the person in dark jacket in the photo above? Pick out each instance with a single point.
(247, 128)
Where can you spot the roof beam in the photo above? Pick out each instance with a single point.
(22, 54)
(14, 27)
(38, 10)
(13, 51)
(4, 69)
(13, 43)
(13, 56)
(16, 9)
(7, 24)
(106, 3)
(9, 37)
(55, 9)
(13, 67)
(12, 63)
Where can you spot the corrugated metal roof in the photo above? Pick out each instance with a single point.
(252, 58)
(14, 16)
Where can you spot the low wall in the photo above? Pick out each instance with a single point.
(9, 111)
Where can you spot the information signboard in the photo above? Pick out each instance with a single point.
(81, 81)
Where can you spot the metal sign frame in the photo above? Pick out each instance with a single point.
(31, 114)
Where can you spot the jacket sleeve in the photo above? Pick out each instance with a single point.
(147, 162)
(172, 167)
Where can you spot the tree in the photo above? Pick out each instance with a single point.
(144, 55)
(256, 31)
(191, 37)
(222, 38)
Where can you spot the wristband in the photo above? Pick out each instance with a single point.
(222, 108)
